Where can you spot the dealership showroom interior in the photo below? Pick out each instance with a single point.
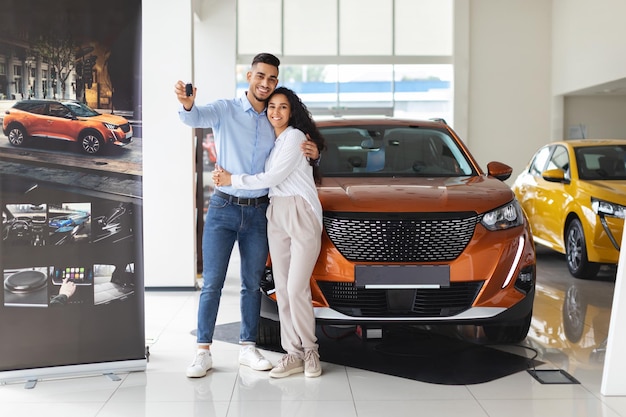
(477, 274)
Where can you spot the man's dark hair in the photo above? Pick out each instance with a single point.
(266, 59)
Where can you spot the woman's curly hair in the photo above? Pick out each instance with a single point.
(301, 119)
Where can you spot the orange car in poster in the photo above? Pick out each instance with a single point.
(67, 120)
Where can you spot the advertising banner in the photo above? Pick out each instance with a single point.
(70, 189)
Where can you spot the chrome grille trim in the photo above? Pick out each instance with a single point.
(352, 301)
(400, 237)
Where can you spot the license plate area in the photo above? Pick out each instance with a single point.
(402, 276)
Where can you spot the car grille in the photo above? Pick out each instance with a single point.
(125, 127)
(400, 237)
(354, 301)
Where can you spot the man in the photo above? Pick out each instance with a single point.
(243, 140)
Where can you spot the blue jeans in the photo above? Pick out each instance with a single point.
(226, 223)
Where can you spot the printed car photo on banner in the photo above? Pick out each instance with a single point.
(71, 252)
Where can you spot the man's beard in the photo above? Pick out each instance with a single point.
(262, 100)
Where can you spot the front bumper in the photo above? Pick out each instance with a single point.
(473, 315)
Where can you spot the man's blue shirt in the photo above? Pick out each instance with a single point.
(243, 137)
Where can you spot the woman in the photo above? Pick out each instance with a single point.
(294, 227)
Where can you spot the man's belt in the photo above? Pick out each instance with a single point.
(242, 201)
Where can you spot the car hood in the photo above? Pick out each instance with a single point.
(107, 118)
(611, 190)
(479, 194)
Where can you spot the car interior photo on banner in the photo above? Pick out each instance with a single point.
(28, 226)
(71, 252)
(68, 266)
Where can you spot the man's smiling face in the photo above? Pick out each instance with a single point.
(262, 80)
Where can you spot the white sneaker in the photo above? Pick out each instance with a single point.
(201, 364)
(250, 356)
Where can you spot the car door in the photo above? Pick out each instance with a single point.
(527, 185)
(33, 116)
(58, 122)
(553, 198)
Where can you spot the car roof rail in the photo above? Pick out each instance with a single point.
(439, 119)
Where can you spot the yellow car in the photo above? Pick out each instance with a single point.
(574, 195)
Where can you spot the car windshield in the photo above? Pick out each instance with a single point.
(80, 109)
(355, 151)
(601, 162)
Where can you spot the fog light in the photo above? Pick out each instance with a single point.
(525, 280)
(525, 277)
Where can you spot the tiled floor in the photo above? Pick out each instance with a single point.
(230, 390)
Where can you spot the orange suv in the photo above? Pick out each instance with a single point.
(68, 120)
(415, 233)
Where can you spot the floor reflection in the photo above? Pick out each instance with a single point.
(570, 323)
(571, 316)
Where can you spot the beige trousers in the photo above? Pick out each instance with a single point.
(294, 235)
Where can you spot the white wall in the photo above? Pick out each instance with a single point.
(509, 99)
(461, 68)
(589, 43)
(603, 117)
(168, 148)
(589, 39)
(515, 59)
(215, 50)
(199, 48)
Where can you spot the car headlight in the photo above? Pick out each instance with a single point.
(606, 208)
(504, 217)
(110, 126)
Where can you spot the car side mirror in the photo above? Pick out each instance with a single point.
(499, 170)
(554, 175)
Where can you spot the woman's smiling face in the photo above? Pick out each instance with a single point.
(278, 112)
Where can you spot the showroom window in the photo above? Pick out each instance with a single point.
(344, 57)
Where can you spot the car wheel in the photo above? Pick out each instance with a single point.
(91, 143)
(576, 252)
(513, 332)
(268, 333)
(574, 311)
(17, 135)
